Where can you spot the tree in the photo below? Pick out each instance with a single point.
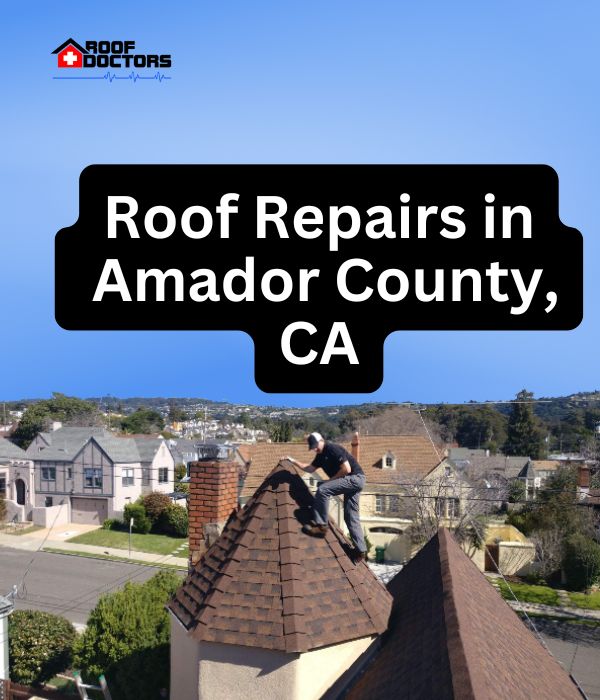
(127, 639)
(549, 547)
(40, 645)
(69, 410)
(516, 491)
(524, 437)
(176, 414)
(180, 471)
(144, 420)
(581, 562)
(447, 499)
(281, 432)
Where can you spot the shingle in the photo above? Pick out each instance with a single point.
(452, 637)
(415, 457)
(290, 591)
(8, 450)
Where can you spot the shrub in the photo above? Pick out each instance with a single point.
(180, 471)
(39, 645)
(581, 562)
(112, 524)
(141, 522)
(174, 521)
(155, 504)
(127, 639)
(182, 488)
(2, 509)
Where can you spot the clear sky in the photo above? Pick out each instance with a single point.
(271, 82)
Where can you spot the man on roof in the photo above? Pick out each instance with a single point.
(346, 478)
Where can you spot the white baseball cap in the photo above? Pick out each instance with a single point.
(313, 440)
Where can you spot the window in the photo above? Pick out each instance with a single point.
(453, 507)
(2, 485)
(49, 473)
(92, 478)
(447, 507)
(389, 461)
(128, 476)
(387, 504)
(163, 475)
(69, 472)
(48, 502)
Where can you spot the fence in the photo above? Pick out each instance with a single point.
(9, 690)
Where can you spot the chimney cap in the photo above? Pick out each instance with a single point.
(213, 451)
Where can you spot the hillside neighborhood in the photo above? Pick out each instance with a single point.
(204, 502)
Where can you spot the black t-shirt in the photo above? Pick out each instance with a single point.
(332, 457)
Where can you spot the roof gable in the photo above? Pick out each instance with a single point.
(266, 584)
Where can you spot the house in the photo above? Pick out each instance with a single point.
(183, 451)
(94, 473)
(268, 612)
(16, 480)
(393, 465)
(480, 464)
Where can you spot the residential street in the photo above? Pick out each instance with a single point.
(64, 585)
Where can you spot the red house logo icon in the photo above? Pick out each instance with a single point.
(70, 54)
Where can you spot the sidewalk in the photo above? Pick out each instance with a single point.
(55, 539)
(570, 612)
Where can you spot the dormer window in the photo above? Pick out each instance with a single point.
(388, 461)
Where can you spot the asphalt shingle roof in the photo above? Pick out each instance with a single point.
(120, 450)
(452, 637)
(64, 443)
(147, 447)
(266, 584)
(415, 457)
(8, 450)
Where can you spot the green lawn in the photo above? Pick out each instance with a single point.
(590, 602)
(65, 685)
(529, 594)
(155, 544)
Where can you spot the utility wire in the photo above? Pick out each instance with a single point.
(520, 605)
(21, 586)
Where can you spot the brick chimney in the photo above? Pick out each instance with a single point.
(355, 444)
(583, 481)
(213, 496)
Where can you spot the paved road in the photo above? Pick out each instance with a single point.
(64, 585)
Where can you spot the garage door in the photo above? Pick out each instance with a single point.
(89, 511)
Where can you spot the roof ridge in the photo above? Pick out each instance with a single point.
(462, 682)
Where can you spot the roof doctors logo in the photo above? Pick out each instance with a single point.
(110, 56)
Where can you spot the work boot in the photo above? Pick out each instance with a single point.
(356, 555)
(314, 530)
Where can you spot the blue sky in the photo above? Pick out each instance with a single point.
(266, 82)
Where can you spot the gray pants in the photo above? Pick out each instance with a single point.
(350, 487)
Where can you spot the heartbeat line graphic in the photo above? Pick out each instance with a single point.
(133, 76)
